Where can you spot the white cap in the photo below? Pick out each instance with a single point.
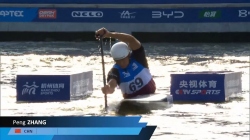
(119, 51)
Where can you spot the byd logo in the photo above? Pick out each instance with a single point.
(174, 14)
(88, 14)
(244, 13)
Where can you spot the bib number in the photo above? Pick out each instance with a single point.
(133, 86)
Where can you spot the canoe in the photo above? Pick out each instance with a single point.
(144, 104)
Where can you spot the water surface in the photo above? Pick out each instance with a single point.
(183, 121)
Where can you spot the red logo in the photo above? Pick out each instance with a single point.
(203, 91)
(17, 130)
(180, 91)
(47, 13)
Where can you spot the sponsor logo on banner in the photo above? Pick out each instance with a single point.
(46, 88)
(51, 88)
(244, 13)
(127, 15)
(169, 14)
(194, 87)
(47, 13)
(29, 89)
(195, 92)
(210, 14)
(87, 14)
(11, 13)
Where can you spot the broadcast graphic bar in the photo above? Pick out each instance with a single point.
(71, 122)
(76, 131)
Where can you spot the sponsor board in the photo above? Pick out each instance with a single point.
(205, 86)
(54, 87)
(125, 1)
(121, 15)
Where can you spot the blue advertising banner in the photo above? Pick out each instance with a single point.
(17, 14)
(120, 15)
(56, 87)
(215, 86)
(123, 1)
(35, 88)
(197, 87)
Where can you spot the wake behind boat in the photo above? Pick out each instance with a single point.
(145, 104)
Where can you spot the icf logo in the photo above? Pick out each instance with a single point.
(127, 14)
(29, 89)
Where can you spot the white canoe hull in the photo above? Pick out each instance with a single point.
(145, 104)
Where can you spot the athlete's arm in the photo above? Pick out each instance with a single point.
(132, 42)
(113, 81)
(110, 87)
(112, 84)
(140, 56)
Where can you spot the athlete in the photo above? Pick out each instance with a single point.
(130, 71)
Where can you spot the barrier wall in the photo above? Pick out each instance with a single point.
(119, 15)
(123, 1)
(125, 16)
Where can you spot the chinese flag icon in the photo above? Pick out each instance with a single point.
(17, 130)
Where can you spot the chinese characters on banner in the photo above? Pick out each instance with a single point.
(195, 87)
(197, 84)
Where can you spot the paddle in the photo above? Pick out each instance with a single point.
(103, 73)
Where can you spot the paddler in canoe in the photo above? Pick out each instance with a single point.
(130, 71)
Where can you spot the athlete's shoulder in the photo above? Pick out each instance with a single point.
(113, 72)
(140, 56)
(139, 50)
